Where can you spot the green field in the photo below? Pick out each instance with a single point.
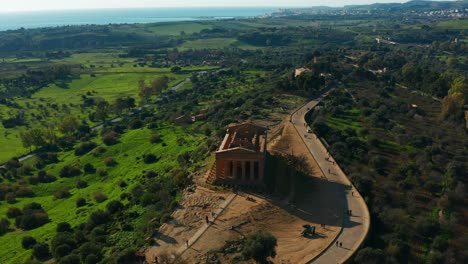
(130, 168)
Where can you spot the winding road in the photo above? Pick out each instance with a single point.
(355, 227)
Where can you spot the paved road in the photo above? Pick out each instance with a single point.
(355, 226)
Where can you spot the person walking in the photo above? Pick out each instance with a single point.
(186, 242)
(207, 220)
(336, 243)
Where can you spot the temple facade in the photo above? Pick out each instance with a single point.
(240, 160)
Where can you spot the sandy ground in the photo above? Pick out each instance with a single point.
(247, 213)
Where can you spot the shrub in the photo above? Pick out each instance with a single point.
(260, 246)
(135, 124)
(80, 202)
(102, 172)
(64, 227)
(155, 138)
(13, 212)
(151, 174)
(60, 239)
(110, 138)
(81, 184)
(88, 168)
(114, 207)
(28, 242)
(122, 184)
(70, 171)
(70, 259)
(4, 226)
(44, 177)
(33, 216)
(41, 251)
(99, 150)
(110, 161)
(150, 158)
(10, 198)
(62, 193)
(62, 251)
(84, 148)
(99, 197)
(99, 217)
(23, 191)
(91, 259)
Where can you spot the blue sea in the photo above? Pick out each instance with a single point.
(39, 19)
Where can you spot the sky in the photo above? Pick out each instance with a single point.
(38, 5)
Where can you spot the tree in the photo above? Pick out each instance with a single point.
(102, 110)
(119, 105)
(160, 84)
(144, 91)
(33, 137)
(41, 251)
(4, 226)
(176, 69)
(369, 256)
(260, 246)
(28, 242)
(69, 125)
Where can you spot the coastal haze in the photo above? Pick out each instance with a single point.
(16, 20)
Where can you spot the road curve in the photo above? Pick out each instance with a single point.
(355, 227)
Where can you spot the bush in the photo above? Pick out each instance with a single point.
(13, 212)
(62, 239)
(64, 227)
(135, 124)
(28, 242)
(62, 251)
(62, 193)
(81, 184)
(102, 172)
(80, 202)
(41, 251)
(70, 171)
(84, 148)
(91, 250)
(4, 226)
(150, 158)
(33, 217)
(114, 207)
(110, 138)
(151, 174)
(122, 184)
(155, 138)
(10, 198)
(70, 259)
(260, 246)
(88, 168)
(99, 197)
(110, 161)
(99, 217)
(99, 150)
(44, 177)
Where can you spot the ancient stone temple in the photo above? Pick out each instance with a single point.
(240, 160)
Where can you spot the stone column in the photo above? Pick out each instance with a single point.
(252, 172)
(243, 170)
(227, 172)
(261, 167)
(234, 164)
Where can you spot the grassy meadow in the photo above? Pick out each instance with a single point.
(130, 168)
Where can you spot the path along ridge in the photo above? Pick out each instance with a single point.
(355, 227)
